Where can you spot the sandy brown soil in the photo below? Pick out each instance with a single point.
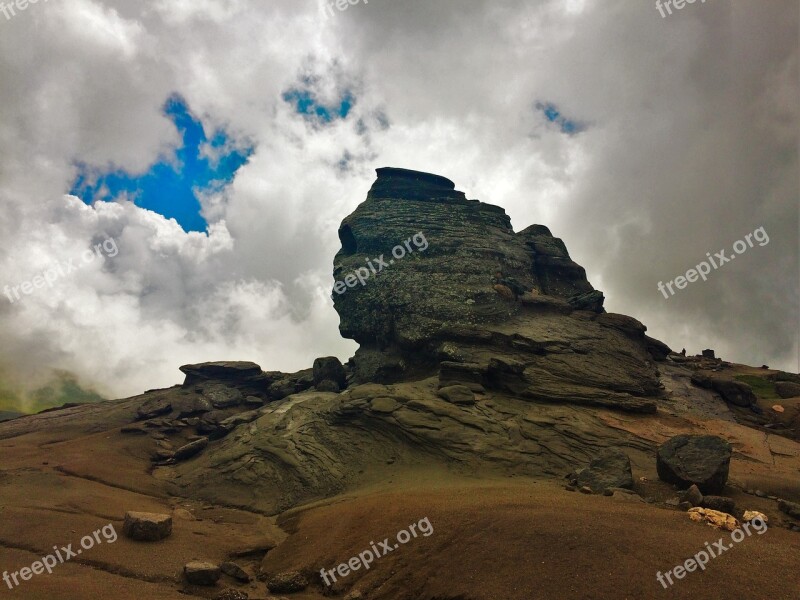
(502, 538)
(527, 539)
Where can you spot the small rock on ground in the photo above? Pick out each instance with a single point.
(286, 583)
(201, 573)
(147, 527)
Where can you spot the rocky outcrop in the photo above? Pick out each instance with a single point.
(734, 392)
(329, 373)
(438, 282)
(449, 372)
(703, 460)
(787, 389)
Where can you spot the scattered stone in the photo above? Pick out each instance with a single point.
(760, 494)
(754, 515)
(191, 449)
(778, 408)
(674, 502)
(201, 573)
(231, 569)
(192, 406)
(586, 490)
(147, 527)
(163, 455)
(610, 469)
(329, 368)
(232, 594)
(570, 488)
(154, 408)
(354, 595)
(222, 396)
(287, 583)
(719, 503)
(608, 492)
(252, 401)
(787, 389)
(457, 394)
(692, 496)
(714, 518)
(700, 459)
(684, 506)
(790, 508)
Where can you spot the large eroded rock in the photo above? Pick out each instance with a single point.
(426, 277)
(703, 460)
(610, 469)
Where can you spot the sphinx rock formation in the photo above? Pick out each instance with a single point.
(481, 304)
(481, 350)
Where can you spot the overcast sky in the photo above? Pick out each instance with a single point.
(644, 142)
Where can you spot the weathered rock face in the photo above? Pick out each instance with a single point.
(429, 281)
(703, 460)
(448, 273)
(147, 527)
(610, 469)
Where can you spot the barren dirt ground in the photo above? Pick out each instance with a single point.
(510, 538)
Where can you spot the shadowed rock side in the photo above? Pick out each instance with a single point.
(503, 309)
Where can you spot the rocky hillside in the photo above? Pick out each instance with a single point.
(484, 355)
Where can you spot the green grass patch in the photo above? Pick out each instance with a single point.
(764, 389)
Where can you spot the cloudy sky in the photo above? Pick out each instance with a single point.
(215, 146)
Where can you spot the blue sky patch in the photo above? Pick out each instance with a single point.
(553, 114)
(171, 186)
(306, 103)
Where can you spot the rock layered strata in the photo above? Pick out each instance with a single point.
(479, 303)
